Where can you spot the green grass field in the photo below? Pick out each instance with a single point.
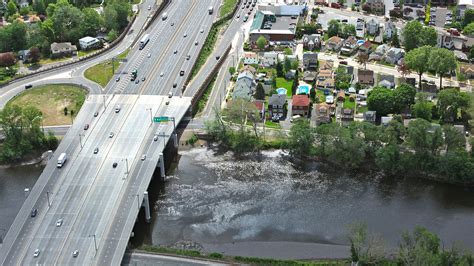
(102, 72)
(227, 7)
(51, 101)
(287, 84)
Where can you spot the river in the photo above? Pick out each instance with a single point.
(263, 203)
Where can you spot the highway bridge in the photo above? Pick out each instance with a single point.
(89, 206)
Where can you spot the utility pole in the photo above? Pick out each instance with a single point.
(95, 243)
(151, 114)
(80, 140)
(47, 195)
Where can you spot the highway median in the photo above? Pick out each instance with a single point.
(102, 73)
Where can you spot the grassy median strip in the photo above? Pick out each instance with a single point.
(52, 100)
(227, 7)
(205, 96)
(237, 259)
(102, 72)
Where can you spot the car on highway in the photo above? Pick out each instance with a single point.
(167, 102)
(201, 31)
(96, 114)
(136, 81)
(75, 253)
(114, 165)
(111, 135)
(36, 253)
(28, 86)
(175, 51)
(117, 79)
(149, 55)
(172, 24)
(188, 57)
(143, 157)
(149, 7)
(238, 15)
(34, 212)
(161, 74)
(181, 73)
(59, 222)
(155, 137)
(143, 79)
(117, 108)
(218, 57)
(250, 12)
(175, 85)
(86, 126)
(185, 35)
(196, 43)
(96, 150)
(243, 7)
(170, 94)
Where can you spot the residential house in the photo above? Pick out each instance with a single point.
(389, 29)
(379, 52)
(88, 42)
(387, 81)
(385, 120)
(372, 27)
(445, 41)
(322, 114)
(365, 77)
(326, 64)
(349, 46)
(341, 96)
(394, 55)
(290, 74)
(249, 68)
(360, 28)
(244, 86)
(325, 79)
(62, 49)
(312, 42)
(277, 106)
(300, 105)
(334, 43)
(370, 116)
(347, 115)
(269, 59)
(260, 105)
(250, 58)
(365, 48)
(309, 76)
(310, 61)
(467, 70)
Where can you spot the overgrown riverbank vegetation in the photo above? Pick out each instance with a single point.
(423, 150)
(22, 133)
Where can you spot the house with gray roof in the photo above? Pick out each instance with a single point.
(62, 49)
(244, 86)
(312, 42)
(394, 55)
(277, 106)
(310, 61)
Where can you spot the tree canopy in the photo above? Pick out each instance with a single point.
(417, 60)
(442, 61)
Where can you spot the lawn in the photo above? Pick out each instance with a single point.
(272, 124)
(227, 7)
(84, 53)
(320, 95)
(348, 104)
(51, 101)
(45, 61)
(102, 72)
(287, 84)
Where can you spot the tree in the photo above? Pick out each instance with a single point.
(420, 248)
(35, 54)
(451, 102)
(67, 21)
(363, 59)
(122, 7)
(380, 100)
(347, 30)
(417, 59)
(259, 92)
(387, 159)
(39, 7)
(424, 143)
(422, 108)
(333, 27)
(428, 36)
(112, 35)
(261, 43)
(411, 35)
(7, 59)
(232, 70)
(35, 37)
(92, 22)
(279, 69)
(342, 80)
(12, 9)
(453, 139)
(468, 17)
(288, 51)
(17, 34)
(395, 40)
(24, 10)
(287, 64)
(469, 29)
(471, 53)
(110, 18)
(403, 97)
(442, 61)
(301, 139)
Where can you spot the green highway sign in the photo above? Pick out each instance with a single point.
(159, 119)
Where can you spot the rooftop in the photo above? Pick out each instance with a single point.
(280, 24)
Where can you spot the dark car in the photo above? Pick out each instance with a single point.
(175, 85)
(34, 212)
(28, 86)
(117, 79)
(96, 114)
(86, 126)
(343, 62)
(114, 165)
(181, 73)
(96, 150)
(218, 57)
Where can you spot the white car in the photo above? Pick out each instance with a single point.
(201, 31)
(161, 74)
(111, 135)
(59, 222)
(155, 137)
(36, 253)
(329, 99)
(149, 7)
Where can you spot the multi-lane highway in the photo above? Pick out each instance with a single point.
(96, 201)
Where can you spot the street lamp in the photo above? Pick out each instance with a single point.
(151, 114)
(126, 163)
(95, 242)
(80, 140)
(27, 191)
(47, 195)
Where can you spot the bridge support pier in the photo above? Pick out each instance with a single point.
(146, 203)
(175, 139)
(162, 166)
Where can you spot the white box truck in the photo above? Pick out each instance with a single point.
(62, 159)
(144, 41)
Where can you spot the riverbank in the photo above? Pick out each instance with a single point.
(28, 161)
